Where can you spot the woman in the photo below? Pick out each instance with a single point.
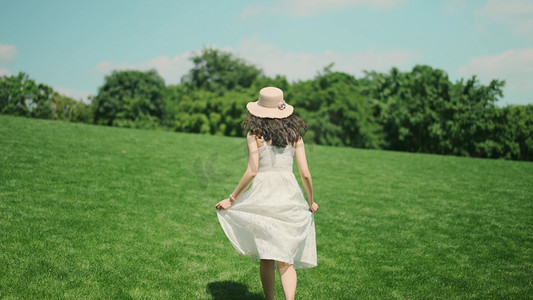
(272, 220)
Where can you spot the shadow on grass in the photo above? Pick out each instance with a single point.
(222, 290)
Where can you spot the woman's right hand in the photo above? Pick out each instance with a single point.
(313, 207)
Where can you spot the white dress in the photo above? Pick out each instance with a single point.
(272, 220)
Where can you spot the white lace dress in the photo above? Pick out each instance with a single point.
(272, 220)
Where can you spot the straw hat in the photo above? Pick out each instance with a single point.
(270, 104)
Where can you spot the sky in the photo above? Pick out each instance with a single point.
(73, 45)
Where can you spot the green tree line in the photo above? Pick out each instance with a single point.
(420, 110)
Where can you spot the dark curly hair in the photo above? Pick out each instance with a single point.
(282, 132)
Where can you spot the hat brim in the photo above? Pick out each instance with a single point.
(265, 112)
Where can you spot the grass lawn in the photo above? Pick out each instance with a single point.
(98, 212)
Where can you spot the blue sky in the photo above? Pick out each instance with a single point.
(72, 45)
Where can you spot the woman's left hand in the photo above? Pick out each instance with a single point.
(224, 204)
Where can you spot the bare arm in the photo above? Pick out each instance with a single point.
(301, 160)
(249, 174)
(251, 170)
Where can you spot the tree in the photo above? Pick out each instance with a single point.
(22, 96)
(471, 129)
(217, 71)
(207, 112)
(336, 113)
(514, 132)
(70, 110)
(422, 111)
(130, 99)
(407, 106)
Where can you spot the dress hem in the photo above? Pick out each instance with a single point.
(295, 264)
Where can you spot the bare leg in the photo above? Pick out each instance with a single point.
(288, 279)
(266, 269)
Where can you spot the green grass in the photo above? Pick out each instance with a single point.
(81, 219)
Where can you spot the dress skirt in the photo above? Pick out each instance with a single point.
(272, 220)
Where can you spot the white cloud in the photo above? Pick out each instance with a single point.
(252, 11)
(5, 72)
(454, 6)
(171, 69)
(297, 8)
(497, 9)
(273, 60)
(305, 65)
(74, 94)
(7, 53)
(513, 66)
(516, 15)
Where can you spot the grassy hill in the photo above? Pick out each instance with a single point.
(100, 212)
